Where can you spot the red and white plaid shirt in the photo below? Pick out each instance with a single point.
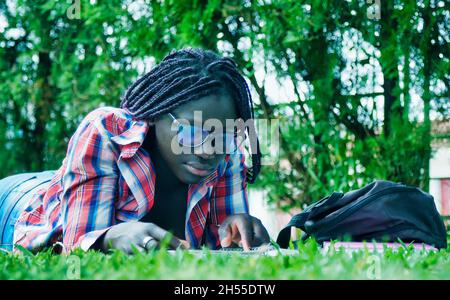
(107, 178)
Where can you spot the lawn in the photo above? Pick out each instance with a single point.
(310, 263)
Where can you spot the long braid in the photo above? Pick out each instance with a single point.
(247, 110)
(188, 75)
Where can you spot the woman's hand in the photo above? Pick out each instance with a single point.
(144, 236)
(243, 229)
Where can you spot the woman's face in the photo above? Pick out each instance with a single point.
(193, 165)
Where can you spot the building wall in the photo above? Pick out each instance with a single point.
(435, 191)
(440, 163)
(440, 179)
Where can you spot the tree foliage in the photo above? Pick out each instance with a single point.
(364, 81)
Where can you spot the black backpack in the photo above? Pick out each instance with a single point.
(382, 211)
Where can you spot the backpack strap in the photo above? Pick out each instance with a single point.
(285, 234)
(320, 207)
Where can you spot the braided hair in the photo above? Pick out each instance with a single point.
(189, 74)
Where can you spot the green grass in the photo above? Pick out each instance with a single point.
(311, 263)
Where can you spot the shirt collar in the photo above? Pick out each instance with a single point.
(132, 136)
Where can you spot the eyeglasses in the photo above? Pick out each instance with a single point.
(195, 136)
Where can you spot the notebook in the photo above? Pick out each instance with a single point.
(270, 250)
(266, 250)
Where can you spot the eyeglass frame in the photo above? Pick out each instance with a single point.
(178, 123)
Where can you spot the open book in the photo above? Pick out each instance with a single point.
(266, 250)
(270, 250)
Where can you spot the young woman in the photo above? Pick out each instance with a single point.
(122, 184)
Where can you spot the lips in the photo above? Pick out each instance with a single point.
(198, 169)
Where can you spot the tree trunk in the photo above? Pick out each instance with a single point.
(389, 64)
(426, 52)
(44, 97)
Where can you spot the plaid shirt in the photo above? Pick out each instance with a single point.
(107, 178)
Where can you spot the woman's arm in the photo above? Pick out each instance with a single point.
(90, 184)
(90, 192)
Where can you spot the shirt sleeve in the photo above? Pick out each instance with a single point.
(230, 197)
(89, 185)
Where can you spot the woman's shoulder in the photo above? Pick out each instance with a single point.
(116, 125)
(105, 112)
(112, 119)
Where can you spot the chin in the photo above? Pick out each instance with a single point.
(190, 179)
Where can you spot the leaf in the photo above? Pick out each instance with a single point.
(24, 251)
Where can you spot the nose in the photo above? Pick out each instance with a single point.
(205, 156)
(206, 152)
(210, 159)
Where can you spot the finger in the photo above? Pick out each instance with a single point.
(184, 244)
(174, 242)
(235, 236)
(137, 249)
(156, 232)
(225, 234)
(129, 250)
(261, 234)
(151, 245)
(159, 234)
(245, 229)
